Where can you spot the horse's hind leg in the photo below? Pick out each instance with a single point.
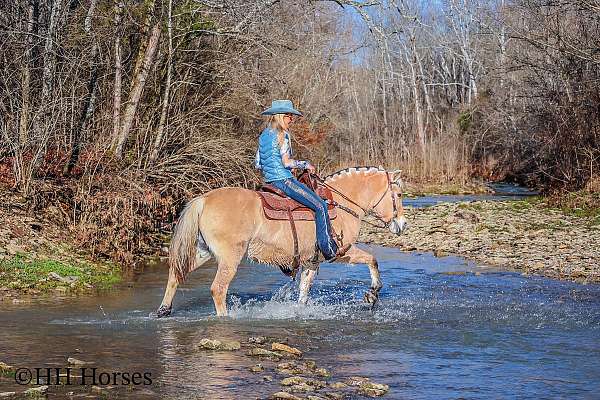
(167, 303)
(306, 280)
(358, 256)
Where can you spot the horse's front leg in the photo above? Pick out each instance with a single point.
(358, 256)
(306, 279)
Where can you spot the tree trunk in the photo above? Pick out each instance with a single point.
(88, 103)
(49, 55)
(118, 72)
(137, 89)
(165, 105)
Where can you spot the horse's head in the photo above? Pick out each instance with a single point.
(389, 207)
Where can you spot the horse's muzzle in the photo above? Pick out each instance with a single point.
(398, 225)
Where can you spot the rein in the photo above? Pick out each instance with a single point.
(367, 212)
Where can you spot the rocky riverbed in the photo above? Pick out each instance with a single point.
(523, 235)
(298, 377)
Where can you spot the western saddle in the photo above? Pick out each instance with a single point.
(277, 206)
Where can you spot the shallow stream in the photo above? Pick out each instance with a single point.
(445, 329)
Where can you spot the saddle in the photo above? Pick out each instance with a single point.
(277, 206)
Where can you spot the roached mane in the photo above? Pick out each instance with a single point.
(354, 169)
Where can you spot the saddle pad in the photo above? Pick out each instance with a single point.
(276, 208)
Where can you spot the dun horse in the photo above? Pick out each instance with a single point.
(229, 224)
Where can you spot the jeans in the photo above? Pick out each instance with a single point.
(303, 195)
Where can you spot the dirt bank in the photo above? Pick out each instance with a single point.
(38, 257)
(523, 235)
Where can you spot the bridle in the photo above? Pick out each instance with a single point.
(350, 211)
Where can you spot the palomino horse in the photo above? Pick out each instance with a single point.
(229, 224)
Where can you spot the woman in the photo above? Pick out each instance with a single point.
(274, 159)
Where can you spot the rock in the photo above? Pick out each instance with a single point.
(301, 388)
(257, 368)
(300, 381)
(5, 368)
(338, 385)
(440, 253)
(39, 391)
(101, 389)
(258, 352)
(290, 368)
(267, 378)
(257, 340)
(310, 397)
(286, 348)
(74, 361)
(284, 396)
(356, 380)
(323, 372)
(7, 395)
(63, 279)
(335, 395)
(210, 344)
(372, 389)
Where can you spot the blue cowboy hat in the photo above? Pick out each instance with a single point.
(281, 107)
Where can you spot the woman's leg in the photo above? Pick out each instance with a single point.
(303, 195)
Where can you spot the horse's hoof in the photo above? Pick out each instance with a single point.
(371, 297)
(163, 311)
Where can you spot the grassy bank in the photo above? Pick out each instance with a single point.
(39, 276)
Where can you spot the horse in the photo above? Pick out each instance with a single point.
(228, 224)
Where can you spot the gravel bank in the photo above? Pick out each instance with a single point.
(521, 235)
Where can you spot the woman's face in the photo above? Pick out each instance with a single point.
(288, 119)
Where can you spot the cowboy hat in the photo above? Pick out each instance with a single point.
(281, 107)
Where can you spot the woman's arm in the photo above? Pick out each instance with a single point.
(257, 160)
(287, 159)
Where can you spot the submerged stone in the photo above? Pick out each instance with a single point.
(210, 344)
(323, 372)
(39, 391)
(74, 361)
(372, 389)
(257, 340)
(356, 380)
(257, 368)
(258, 352)
(5, 368)
(290, 368)
(301, 381)
(286, 348)
(284, 396)
(338, 385)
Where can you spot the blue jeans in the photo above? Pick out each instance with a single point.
(303, 195)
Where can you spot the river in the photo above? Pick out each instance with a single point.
(445, 328)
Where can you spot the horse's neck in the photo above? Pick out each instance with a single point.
(357, 187)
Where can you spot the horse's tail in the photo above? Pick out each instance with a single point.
(184, 245)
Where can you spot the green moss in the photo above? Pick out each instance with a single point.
(20, 272)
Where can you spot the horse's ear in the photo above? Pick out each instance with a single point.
(396, 176)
